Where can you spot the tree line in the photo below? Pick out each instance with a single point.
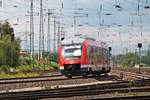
(130, 59)
(9, 46)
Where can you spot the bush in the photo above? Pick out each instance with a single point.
(25, 68)
(54, 65)
(4, 68)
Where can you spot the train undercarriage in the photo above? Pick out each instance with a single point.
(77, 70)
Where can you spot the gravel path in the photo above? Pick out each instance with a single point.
(45, 83)
(48, 84)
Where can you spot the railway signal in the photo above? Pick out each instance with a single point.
(139, 46)
(62, 38)
(110, 59)
(110, 48)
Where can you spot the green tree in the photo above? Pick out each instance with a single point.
(9, 46)
(129, 59)
(146, 59)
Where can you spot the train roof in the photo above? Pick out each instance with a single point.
(72, 40)
(79, 40)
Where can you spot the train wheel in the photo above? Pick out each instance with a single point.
(99, 74)
(93, 74)
(69, 76)
(103, 70)
(106, 74)
(121, 75)
(84, 75)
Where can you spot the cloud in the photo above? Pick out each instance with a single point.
(113, 37)
(117, 37)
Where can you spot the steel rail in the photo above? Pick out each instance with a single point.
(68, 92)
(38, 79)
(7, 79)
(32, 79)
(132, 74)
(138, 97)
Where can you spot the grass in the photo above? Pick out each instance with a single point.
(50, 65)
(25, 70)
(18, 75)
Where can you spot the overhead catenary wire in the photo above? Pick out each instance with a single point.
(68, 20)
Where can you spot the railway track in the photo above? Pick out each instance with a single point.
(32, 79)
(130, 75)
(61, 77)
(50, 82)
(16, 83)
(39, 79)
(138, 97)
(118, 86)
(97, 89)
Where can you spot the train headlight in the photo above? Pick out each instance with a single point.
(61, 67)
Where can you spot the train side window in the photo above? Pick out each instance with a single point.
(81, 48)
(88, 51)
(106, 55)
(93, 52)
(104, 51)
(98, 54)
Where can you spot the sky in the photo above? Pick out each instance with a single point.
(122, 24)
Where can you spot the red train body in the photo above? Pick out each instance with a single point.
(83, 56)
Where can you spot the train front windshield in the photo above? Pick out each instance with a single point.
(71, 52)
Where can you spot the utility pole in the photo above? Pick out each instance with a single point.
(26, 39)
(31, 15)
(100, 13)
(31, 33)
(54, 42)
(49, 35)
(12, 40)
(41, 33)
(75, 22)
(58, 40)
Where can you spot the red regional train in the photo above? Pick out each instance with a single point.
(83, 56)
